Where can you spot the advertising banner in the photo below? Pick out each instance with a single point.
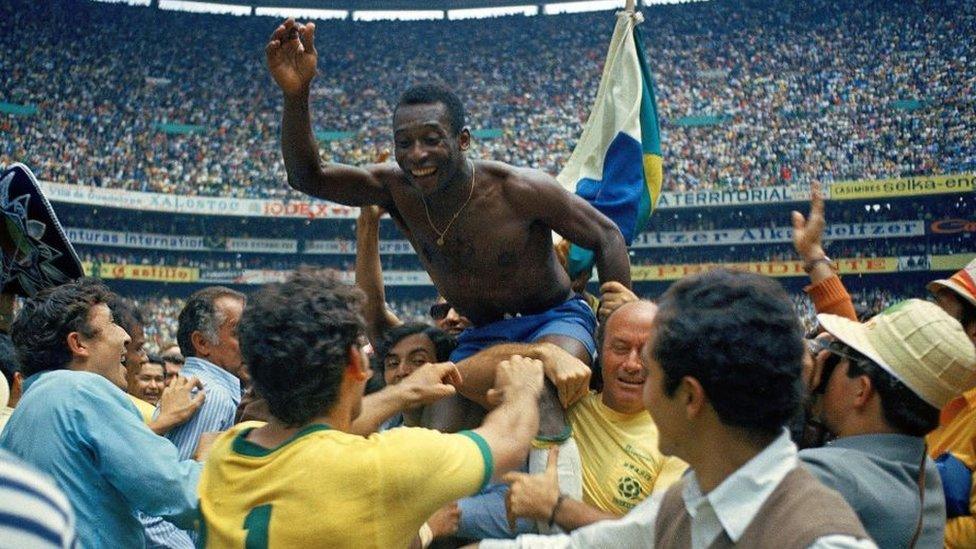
(321, 209)
(952, 262)
(764, 235)
(654, 273)
(151, 273)
(905, 186)
(953, 226)
(342, 246)
(185, 243)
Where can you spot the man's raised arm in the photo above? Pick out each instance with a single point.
(541, 196)
(292, 60)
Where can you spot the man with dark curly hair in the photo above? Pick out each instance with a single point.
(303, 342)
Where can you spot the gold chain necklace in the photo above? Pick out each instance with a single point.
(440, 234)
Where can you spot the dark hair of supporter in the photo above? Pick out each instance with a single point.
(902, 409)
(738, 335)
(199, 314)
(429, 94)
(9, 365)
(443, 342)
(125, 313)
(41, 329)
(296, 338)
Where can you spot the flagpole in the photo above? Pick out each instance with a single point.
(629, 6)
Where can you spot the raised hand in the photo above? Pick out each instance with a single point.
(808, 231)
(292, 58)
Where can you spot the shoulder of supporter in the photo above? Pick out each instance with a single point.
(835, 468)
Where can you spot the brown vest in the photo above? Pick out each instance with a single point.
(798, 512)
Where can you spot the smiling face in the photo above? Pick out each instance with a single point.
(626, 333)
(428, 150)
(105, 350)
(148, 382)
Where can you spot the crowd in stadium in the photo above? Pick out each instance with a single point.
(522, 405)
(799, 91)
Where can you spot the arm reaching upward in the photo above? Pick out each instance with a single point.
(369, 274)
(292, 60)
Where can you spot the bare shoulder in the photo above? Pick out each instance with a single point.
(517, 182)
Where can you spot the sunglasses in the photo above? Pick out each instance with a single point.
(439, 310)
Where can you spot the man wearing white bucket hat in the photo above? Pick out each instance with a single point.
(882, 389)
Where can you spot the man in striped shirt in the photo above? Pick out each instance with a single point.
(207, 335)
(34, 512)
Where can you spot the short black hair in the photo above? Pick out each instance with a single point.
(444, 344)
(41, 329)
(199, 314)
(126, 314)
(296, 337)
(901, 407)
(429, 94)
(9, 365)
(738, 335)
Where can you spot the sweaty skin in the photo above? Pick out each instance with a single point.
(497, 255)
(495, 220)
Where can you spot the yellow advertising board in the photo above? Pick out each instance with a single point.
(150, 273)
(902, 186)
(952, 262)
(864, 265)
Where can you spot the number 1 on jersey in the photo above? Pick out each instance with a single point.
(256, 524)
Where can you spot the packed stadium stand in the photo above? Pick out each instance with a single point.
(156, 134)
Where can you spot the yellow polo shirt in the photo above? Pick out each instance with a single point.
(956, 434)
(619, 455)
(328, 488)
(146, 410)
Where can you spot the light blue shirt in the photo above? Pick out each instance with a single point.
(223, 392)
(87, 435)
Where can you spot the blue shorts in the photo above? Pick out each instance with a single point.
(573, 318)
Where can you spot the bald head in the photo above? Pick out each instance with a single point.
(623, 335)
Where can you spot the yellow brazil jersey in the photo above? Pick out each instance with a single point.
(619, 455)
(328, 488)
(146, 410)
(956, 434)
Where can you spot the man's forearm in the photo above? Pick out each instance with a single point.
(379, 407)
(369, 278)
(612, 260)
(298, 146)
(510, 427)
(573, 514)
(478, 370)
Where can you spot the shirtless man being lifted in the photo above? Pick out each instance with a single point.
(481, 228)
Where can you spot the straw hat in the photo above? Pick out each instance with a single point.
(963, 283)
(918, 343)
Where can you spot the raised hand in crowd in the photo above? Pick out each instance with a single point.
(178, 403)
(291, 56)
(808, 237)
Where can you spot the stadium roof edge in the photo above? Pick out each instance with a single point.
(390, 5)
